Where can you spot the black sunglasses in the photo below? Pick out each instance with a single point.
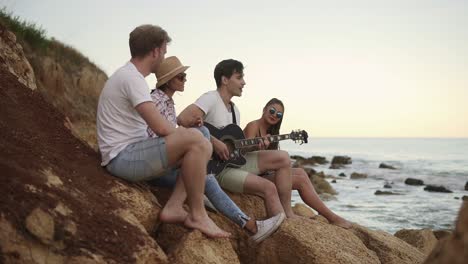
(181, 76)
(279, 115)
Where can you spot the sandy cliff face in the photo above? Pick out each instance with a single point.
(64, 77)
(59, 206)
(13, 59)
(74, 91)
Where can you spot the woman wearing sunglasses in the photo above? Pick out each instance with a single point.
(270, 124)
(171, 78)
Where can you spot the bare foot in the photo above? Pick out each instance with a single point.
(341, 222)
(173, 215)
(293, 216)
(206, 226)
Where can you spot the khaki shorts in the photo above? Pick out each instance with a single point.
(233, 179)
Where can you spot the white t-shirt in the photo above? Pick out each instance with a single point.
(216, 112)
(118, 122)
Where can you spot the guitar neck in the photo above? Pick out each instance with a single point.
(244, 143)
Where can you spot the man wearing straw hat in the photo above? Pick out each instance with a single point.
(171, 78)
(125, 110)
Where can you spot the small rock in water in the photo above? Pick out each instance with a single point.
(385, 166)
(336, 166)
(412, 181)
(456, 198)
(435, 188)
(356, 175)
(379, 192)
(342, 174)
(334, 181)
(341, 160)
(387, 186)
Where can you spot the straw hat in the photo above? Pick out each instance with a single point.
(169, 68)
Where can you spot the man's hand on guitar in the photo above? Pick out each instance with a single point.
(263, 143)
(220, 148)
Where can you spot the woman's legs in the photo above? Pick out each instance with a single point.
(302, 183)
(279, 162)
(257, 185)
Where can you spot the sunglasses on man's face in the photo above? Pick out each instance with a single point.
(273, 111)
(181, 76)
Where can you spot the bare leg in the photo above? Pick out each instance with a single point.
(190, 149)
(173, 212)
(251, 226)
(303, 185)
(279, 161)
(267, 190)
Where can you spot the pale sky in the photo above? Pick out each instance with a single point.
(363, 68)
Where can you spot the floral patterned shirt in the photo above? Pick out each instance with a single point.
(165, 105)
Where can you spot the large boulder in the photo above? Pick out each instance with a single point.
(310, 241)
(453, 249)
(389, 249)
(196, 248)
(424, 239)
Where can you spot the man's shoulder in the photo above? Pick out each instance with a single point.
(212, 93)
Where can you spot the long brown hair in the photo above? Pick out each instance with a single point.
(274, 129)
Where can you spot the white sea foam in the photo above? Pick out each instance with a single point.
(435, 161)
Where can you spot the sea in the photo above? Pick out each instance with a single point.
(436, 161)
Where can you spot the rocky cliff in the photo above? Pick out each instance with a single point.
(59, 206)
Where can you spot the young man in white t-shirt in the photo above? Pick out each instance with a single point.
(215, 107)
(125, 110)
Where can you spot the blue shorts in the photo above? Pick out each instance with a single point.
(146, 160)
(141, 161)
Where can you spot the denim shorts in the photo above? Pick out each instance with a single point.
(141, 161)
(169, 178)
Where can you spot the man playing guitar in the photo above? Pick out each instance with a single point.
(215, 107)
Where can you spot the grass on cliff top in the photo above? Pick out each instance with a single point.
(25, 31)
(32, 36)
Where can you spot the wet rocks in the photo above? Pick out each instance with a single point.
(386, 166)
(345, 160)
(338, 162)
(356, 175)
(437, 188)
(412, 181)
(314, 160)
(379, 192)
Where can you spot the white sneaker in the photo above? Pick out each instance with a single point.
(266, 227)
